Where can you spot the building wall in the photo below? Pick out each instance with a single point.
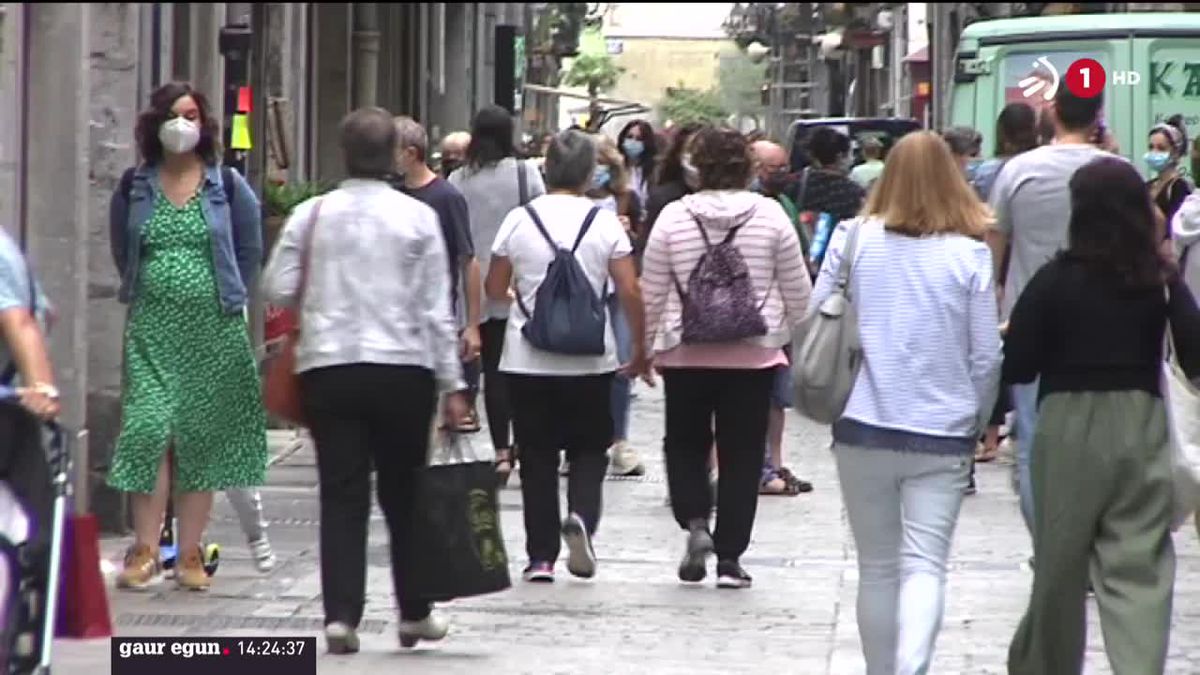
(654, 64)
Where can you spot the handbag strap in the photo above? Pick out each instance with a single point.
(306, 254)
(848, 253)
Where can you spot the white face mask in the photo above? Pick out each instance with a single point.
(179, 135)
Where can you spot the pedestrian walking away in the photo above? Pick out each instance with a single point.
(773, 180)
(366, 268)
(1090, 327)
(417, 180)
(725, 283)
(920, 282)
(612, 191)
(494, 182)
(187, 243)
(558, 254)
(1032, 205)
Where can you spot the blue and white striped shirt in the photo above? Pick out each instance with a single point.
(928, 321)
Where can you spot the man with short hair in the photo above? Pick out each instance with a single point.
(454, 151)
(868, 172)
(417, 180)
(772, 179)
(1032, 201)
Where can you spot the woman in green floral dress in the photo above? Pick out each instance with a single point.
(187, 242)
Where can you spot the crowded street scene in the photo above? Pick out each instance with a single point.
(821, 338)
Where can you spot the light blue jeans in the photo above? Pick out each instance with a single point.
(621, 385)
(902, 509)
(1024, 399)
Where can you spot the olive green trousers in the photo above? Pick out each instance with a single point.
(1102, 503)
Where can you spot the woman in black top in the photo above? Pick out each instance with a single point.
(670, 180)
(1166, 148)
(1091, 324)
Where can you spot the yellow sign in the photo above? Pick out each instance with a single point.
(240, 139)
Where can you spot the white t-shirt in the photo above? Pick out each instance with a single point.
(530, 254)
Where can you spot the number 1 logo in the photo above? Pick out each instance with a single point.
(1037, 81)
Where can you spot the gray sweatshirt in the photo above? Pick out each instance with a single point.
(376, 290)
(491, 192)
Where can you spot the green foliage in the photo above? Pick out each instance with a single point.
(739, 84)
(596, 73)
(684, 106)
(281, 198)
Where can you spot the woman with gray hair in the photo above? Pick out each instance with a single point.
(563, 400)
(365, 267)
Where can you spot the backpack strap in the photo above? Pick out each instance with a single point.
(522, 183)
(587, 225)
(703, 233)
(541, 227)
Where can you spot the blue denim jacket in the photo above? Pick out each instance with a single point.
(236, 233)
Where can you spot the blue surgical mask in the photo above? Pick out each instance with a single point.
(1157, 160)
(601, 177)
(756, 185)
(633, 148)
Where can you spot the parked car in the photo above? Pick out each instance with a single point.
(886, 129)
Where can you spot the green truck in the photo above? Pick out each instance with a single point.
(1152, 61)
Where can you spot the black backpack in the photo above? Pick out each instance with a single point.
(569, 318)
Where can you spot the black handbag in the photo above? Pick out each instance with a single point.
(459, 550)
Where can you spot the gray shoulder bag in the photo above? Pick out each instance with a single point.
(828, 350)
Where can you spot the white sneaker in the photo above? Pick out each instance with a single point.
(624, 460)
(432, 628)
(340, 638)
(264, 557)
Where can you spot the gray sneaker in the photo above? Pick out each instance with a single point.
(694, 566)
(340, 638)
(264, 557)
(581, 559)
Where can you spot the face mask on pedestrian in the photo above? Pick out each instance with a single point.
(691, 176)
(449, 165)
(843, 164)
(179, 135)
(775, 182)
(1157, 160)
(601, 177)
(633, 148)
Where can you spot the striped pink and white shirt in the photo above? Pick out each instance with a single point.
(772, 251)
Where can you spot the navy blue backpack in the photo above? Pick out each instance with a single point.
(569, 317)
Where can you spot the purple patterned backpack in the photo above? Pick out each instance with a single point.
(719, 303)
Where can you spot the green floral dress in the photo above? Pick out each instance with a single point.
(191, 383)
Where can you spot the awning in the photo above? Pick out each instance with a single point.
(919, 56)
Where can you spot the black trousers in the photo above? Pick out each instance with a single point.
(362, 416)
(740, 402)
(553, 413)
(495, 387)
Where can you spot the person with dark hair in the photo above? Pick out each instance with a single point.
(1090, 326)
(1167, 146)
(187, 242)
(365, 267)
(494, 182)
(722, 368)
(1032, 204)
(825, 188)
(639, 147)
(670, 179)
(564, 400)
(1016, 132)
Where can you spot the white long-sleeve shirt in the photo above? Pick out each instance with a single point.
(377, 289)
(928, 322)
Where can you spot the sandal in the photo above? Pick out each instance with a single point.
(983, 454)
(504, 466)
(469, 424)
(794, 483)
(773, 483)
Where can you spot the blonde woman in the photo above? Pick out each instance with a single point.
(611, 190)
(921, 281)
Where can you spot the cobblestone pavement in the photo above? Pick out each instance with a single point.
(635, 616)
